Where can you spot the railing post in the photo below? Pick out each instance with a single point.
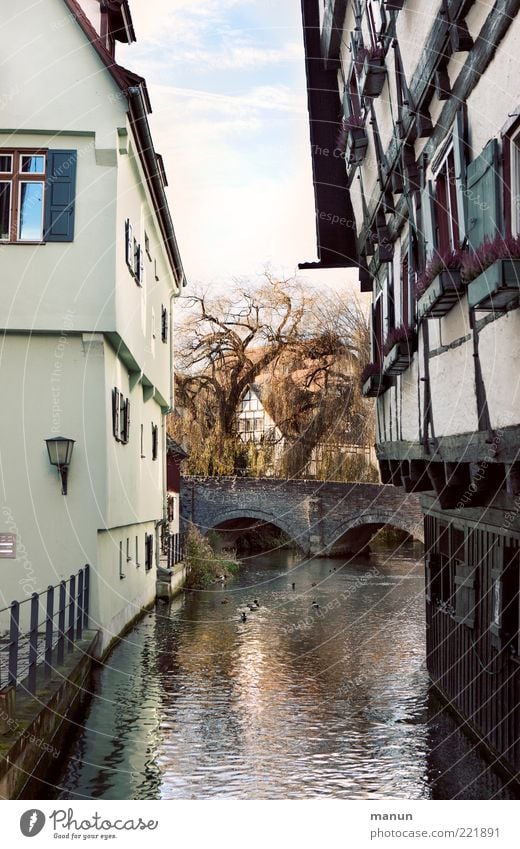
(79, 611)
(61, 622)
(72, 604)
(14, 636)
(49, 631)
(33, 641)
(86, 595)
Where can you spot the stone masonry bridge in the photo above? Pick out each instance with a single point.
(322, 518)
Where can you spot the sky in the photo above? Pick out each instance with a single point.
(228, 90)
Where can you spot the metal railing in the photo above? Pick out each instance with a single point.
(175, 549)
(36, 633)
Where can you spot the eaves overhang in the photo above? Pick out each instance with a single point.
(335, 223)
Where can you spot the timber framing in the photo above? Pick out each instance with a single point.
(465, 447)
(495, 28)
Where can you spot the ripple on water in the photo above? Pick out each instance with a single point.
(294, 703)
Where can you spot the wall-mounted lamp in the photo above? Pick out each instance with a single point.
(60, 453)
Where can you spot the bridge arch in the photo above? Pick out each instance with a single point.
(232, 522)
(356, 531)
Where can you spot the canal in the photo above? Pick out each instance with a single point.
(299, 701)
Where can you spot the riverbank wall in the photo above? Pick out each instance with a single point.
(33, 727)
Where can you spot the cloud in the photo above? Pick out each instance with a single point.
(234, 56)
(275, 98)
(230, 117)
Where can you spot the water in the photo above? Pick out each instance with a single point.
(297, 702)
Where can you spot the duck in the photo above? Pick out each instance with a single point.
(315, 605)
(313, 584)
(294, 586)
(251, 606)
(225, 601)
(256, 603)
(243, 617)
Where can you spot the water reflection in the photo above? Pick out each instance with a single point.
(297, 702)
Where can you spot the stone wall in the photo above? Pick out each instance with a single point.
(314, 514)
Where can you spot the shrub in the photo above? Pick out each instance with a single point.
(404, 335)
(449, 261)
(491, 250)
(370, 370)
(204, 565)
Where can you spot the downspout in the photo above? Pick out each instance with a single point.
(174, 294)
(139, 122)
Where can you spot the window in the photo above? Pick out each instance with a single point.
(137, 563)
(446, 215)
(155, 441)
(143, 455)
(514, 211)
(376, 20)
(120, 416)
(464, 580)
(164, 324)
(148, 551)
(405, 292)
(155, 271)
(137, 258)
(147, 245)
(37, 195)
(128, 558)
(134, 254)
(121, 572)
(129, 243)
(377, 331)
(505, 600)
(171, 508)
(465, 595)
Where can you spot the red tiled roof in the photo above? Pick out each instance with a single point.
(122, 76)
(134, 88)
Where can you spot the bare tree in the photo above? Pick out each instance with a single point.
(310, 344)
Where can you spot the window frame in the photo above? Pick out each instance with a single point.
(505, 601)
(120, 416)
(16, 178)
(376, 33)
(446, 223)
(511, 157)
(155, 441)
(148, 552)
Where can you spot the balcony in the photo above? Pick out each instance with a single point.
(497, 288)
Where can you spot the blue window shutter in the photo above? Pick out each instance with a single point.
(483, 196)
(60, 195)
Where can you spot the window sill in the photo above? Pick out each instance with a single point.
(12, 244)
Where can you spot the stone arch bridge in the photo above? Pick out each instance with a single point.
(322, 518)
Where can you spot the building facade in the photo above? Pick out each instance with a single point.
(426, 124)
(90, 269)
